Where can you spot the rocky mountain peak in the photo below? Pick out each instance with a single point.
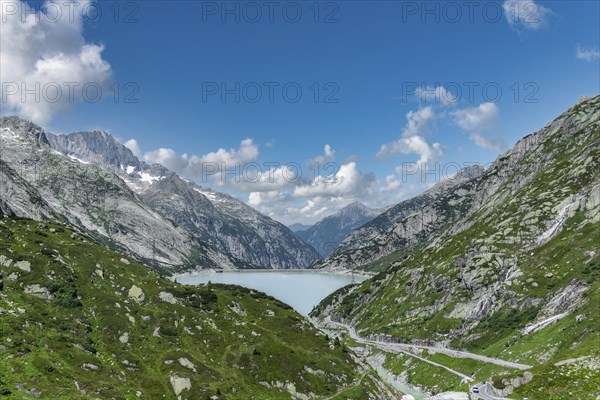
(326, 234)
(219, 219)
(23, 129)
(98, 147)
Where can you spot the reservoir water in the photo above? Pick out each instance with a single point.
(301, 290)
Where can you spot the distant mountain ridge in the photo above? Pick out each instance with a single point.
(227, 224)
(402, 226)
(326, 234)
(297, 227)
(40, 183)
(503, 262)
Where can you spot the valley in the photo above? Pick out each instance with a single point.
(490, 277)
(317, 200)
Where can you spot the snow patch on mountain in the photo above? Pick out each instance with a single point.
(146, 177)
(77, 159)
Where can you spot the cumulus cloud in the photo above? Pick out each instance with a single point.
(412, 141)
(267, 178)
(526, 15)
(587, 54)
(412, 145)
(247, 152)
(477, 119)
(260, 199)
(438, 94)
(207, 165)
(288, 210)
(327, 156)
(291, 198)
(44, 51)
(348, 181)
(392, 183)
(133, 145)
(168, 158)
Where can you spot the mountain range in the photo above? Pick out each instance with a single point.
(500, 263)
(80, 321)
(326, 234)
(503, 262)
(95, 183)
(297, 227)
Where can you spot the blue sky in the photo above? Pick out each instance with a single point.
(367, 56)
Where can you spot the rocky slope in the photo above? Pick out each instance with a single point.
(326, 234)
(82, 322)
(297, 227)
(218, 219)
(38, 182)
(406, 224)
(517, 276)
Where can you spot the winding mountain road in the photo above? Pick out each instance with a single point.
(486, 393)
(403, 347)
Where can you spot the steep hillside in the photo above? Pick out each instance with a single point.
(79, 321)
(298, 227)
(40, 183)
(326, 234)
(218, 219)
(400, 228)
(518, 277)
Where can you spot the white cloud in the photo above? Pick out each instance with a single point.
(419, 122)
(287, 210)
(392, 183)
(133, 145)
(438, 94)
(587, 54)
(293, 200)
(168, 158)
(412, 141)
(327, 156)
(45, 53)
(207, 165)
(413, 145)
(247, 152)
(526, 14)
(266, 178)
(260, 199)
(348, 181)
(477, 119)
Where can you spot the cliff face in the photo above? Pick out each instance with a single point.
(408, 223)
(225, 223)
(40, 183)
(328, 233)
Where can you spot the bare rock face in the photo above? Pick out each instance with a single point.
(180, 384)
(42, 184)
(326, 234)
(223, 222)
(514, 244)
(407, 223)
(23, 265)
(38, 291)
(167, 297)
(136, 294)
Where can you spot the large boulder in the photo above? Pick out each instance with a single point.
(180, 384)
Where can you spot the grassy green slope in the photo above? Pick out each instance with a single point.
(94, 336)
(480, 286)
